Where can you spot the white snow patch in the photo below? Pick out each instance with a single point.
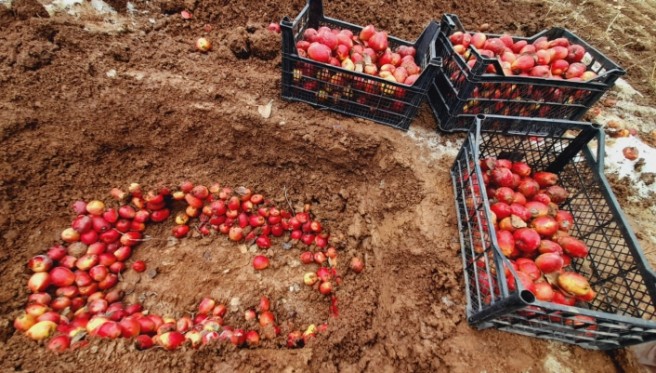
(447, 302)
(616, 162)
(75, 7)
(552, 362)
(433, 142)
(627, 111)
(625, 90)
(552, 365)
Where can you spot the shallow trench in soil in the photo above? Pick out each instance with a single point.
(164, 118)
(357, 186)
(331, 178)
(380, 203)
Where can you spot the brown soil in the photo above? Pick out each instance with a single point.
(95, 102)
(623, 30)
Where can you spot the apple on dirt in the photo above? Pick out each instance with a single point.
(83, 273)
(203, 44)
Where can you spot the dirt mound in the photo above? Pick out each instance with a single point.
(24, 9)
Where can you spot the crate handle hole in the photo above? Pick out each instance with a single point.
(527, 297)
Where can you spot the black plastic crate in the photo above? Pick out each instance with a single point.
(623, 313)
(459, 89)
(349, 92)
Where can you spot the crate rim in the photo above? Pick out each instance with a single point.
(454, 22)
(519, 79)
(288, 23)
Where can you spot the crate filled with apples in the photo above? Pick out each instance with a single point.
(553, 74)
(354, 70)
(545, 247)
